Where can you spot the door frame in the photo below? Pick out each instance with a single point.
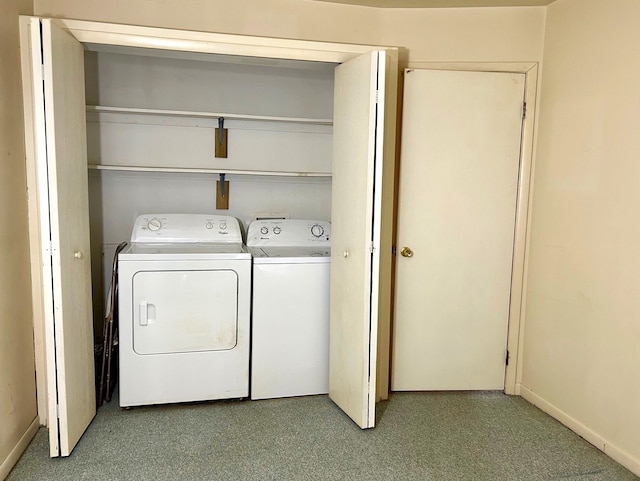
(515, 326)
(89, 32)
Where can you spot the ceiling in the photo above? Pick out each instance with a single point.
(442, 3)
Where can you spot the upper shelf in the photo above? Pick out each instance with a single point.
(206, 115)
(190, 170)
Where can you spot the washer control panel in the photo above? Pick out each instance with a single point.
(185, 228)
(289, 232)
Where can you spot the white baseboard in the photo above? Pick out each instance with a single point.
(11, 460)
(619, 455)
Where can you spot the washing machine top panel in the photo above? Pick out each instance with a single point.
(184, 251)
(289, 232)
(186, 228)
(290, 255)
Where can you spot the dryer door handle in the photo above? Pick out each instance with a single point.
(144, 313)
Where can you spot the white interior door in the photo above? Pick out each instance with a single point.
(355, 207)
(58, 84)
(460, 159)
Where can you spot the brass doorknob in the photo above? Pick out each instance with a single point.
(406, 252)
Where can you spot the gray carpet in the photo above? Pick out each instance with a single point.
(419, 436)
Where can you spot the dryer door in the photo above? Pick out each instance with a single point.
(185, 311)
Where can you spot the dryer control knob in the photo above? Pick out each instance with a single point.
(277, 230)
(264, 230)
(317, 230)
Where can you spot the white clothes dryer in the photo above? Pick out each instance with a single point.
(290, 307)
(184, 310)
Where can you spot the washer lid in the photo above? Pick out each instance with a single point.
(290, 255)
(186, 228)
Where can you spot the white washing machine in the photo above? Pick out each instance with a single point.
(184, 310)
(290, 307)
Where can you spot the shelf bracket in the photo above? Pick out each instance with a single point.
(222, 182)
(221, 139)
(220, 130)
(222, 193)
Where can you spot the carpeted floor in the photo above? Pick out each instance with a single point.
(419, 436)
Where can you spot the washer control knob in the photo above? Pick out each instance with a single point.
(223, 226)
(154, 224)
(317, 230)
(209, 225)
(264, 230)
(277, 230)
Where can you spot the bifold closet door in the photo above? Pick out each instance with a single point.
(355, 217)
(57, 73)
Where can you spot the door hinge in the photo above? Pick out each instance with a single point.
(524, 110)
(372, 248)
(507, 358)
(377, 96)
(58, 411)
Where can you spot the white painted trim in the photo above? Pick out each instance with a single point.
(623, 458)
(520, 244)
(207, 42)
(20, 447)
(518, 389)
(614, 452)
(512, 67)
(518, 280)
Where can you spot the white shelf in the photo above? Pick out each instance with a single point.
(127, 168)
(205, 115)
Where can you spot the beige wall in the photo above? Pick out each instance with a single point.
(17, 380)
(582, 337)
(455, 34)
(466, 34)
